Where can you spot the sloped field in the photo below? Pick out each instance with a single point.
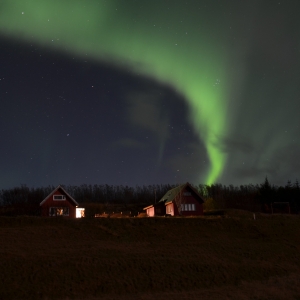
(229, 257)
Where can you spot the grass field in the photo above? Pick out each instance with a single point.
(227, 257)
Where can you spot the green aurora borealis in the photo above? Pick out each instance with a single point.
(233, 64)
(158, 40)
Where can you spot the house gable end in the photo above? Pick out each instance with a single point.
(172, 194)
(60, 191)
(194, 193)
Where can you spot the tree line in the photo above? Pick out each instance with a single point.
(25, 200)
(261, 197)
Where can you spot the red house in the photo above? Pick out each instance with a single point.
(183, 200)
(60, 203)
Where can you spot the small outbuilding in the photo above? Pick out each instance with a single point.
(157, 209)
(184, 200)
(60, 203)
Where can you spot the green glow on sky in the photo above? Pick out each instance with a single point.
(175, 45)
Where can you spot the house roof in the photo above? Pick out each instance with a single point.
(148, 207)
(64, 192)
(153, 205)
(171, 194)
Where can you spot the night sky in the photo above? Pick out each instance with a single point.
(140, 92)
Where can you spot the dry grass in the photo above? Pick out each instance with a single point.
(230, 257)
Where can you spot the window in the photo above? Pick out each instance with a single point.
(187, 194)
(188, 207)
(58, 211)
(59, 197)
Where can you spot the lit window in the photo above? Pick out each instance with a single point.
(58, 211)
(59, 197)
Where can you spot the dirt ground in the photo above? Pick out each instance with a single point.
(228, 257)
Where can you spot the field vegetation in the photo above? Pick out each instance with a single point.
(227, 256)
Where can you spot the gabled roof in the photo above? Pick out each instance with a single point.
(171, 194)
(64, 192)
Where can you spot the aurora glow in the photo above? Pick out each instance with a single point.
(137, 92)
(173, 46)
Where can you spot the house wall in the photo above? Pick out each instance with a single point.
(189, 200)
(171, 209)
(150, 212)
(58, 203)
(160, 209)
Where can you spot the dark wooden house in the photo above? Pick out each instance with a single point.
(183, 200)
(60, 203)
